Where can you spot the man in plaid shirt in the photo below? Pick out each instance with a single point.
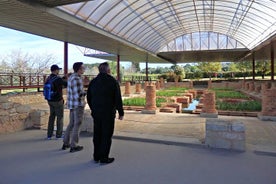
(76, 103)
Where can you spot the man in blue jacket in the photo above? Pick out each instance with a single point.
(104, 98)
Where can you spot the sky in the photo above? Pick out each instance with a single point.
(12, 40)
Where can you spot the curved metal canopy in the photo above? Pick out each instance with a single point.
(151, 24)
(139, 30)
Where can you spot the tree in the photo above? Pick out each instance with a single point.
(19, 62)
(210, 67)
(244, 67)
(135, 66)
(179, 71)
(263, 67)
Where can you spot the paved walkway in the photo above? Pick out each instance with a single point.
(188, 128)
(27, 158)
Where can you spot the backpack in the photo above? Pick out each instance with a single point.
(48, 89)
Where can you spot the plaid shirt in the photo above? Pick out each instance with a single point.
(75, 92)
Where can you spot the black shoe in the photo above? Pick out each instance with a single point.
(75, 149)
(107, 160)
(65, 146)
(96, 160)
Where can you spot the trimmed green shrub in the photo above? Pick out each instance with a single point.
(240, 106)
(139, 101)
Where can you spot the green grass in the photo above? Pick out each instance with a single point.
(230, 94)
(139, 101)
(241, 106)
(169, 93)
(177, 89)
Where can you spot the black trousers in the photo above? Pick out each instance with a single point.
(102, 135)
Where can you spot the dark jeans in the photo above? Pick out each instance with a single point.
(102, 136)
(56, 111)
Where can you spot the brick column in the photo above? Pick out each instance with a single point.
(162, 83)
(150, 107)
(157, 85)
(268, 105)
(137, 88)
(127, 89)
(209, 105)
(145, 85)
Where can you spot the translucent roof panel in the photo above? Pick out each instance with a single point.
(153, 24)
(202, 41)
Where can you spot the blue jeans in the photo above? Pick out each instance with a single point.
(76, 118)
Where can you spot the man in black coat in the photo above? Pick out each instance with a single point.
(104, 98)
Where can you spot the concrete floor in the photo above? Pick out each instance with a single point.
(27, 158)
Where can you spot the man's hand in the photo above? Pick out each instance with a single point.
(121, 117)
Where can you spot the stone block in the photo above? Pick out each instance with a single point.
(225, 134)
(238, 145)
(144, 111)
(23, 109)
(209, 115)
(87, 123)
(7, 105)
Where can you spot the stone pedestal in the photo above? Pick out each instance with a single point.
(88, 122)
(209, 106)
(127, 89)
(193, 92)
(137, 88)
(268, 105)
(150, 107)
(225, 134)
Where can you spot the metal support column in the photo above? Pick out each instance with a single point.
(118, 69)
(65, 61)
(272, 61)
(147, 71)
(253, 66)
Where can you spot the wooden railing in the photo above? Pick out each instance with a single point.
(9, 81)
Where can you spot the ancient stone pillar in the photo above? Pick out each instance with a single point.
(145, 85)
(209, 105)
(157, 85)
(268, 105)
(137, 88)
(162, 85)
(264, 87)
(150, 107)
(127, 89)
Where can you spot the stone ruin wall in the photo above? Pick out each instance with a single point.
(16, 112)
